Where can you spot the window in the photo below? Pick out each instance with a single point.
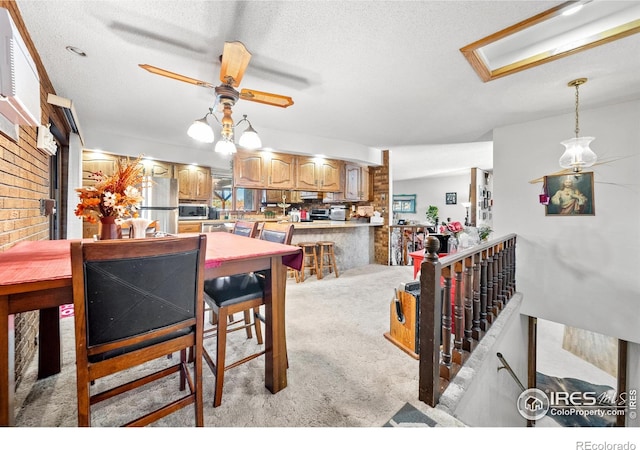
(404, 203)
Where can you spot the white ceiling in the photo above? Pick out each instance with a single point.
(383, 74)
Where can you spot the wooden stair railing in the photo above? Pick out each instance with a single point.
(480, 280)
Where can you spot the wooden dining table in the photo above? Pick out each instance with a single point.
(36, 276)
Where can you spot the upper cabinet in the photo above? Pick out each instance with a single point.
(286, 172)
(321, 175)
(153, 168)
(248, 170)
(96, 162)
(356, 183)
(194, 183)
(264, 170)
(280, 170)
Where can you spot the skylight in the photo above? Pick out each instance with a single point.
(552, 35)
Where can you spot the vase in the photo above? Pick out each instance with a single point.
(452, 244)
(109, 229)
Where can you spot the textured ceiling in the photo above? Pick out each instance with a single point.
(380, 74)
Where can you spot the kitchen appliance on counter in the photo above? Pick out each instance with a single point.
(338, 212)
(320, 214)
(160, 203)
(193, 211)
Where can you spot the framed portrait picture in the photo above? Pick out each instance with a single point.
(570, 195)
(451, 198)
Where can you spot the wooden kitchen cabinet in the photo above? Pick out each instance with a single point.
(248, 170)
(264, 170)
(160, 169)
(275, 196)
(96, 162)
(365, 184)
(189, 227)
(194, 183)
(322, 175)
(280, 170)
(352, 178)
(356, 183)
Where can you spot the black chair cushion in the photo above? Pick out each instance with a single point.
(273, 236)
(225, 291)
(242, 231)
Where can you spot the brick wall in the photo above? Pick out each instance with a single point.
(380, 180)
(24, 180)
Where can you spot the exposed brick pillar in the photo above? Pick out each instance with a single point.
(381, 189)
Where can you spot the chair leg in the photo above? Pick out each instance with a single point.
(258, 325)
(247, 322)
(183, 360)
(84, 405)
(221, 344)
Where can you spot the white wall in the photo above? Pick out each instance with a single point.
(582, 271)
(74, 223)
(431, 191)
(485, 387)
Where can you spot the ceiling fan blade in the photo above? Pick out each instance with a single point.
(175, 76)
(235, 59)
(266, 98)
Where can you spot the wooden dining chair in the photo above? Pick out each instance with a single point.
(243, 228)
(212, 227)
(239, 293)
(137, 301)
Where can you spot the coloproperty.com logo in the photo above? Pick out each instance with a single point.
(534, 404)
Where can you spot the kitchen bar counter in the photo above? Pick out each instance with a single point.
(316, 224)
(353, 239)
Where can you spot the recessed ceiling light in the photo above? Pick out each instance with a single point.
(551, 35)
(75, 50)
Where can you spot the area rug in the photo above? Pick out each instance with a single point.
(66, 311)
(409, 416)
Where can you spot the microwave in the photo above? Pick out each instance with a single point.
(193, 211)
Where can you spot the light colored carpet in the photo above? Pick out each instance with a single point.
(343, 372)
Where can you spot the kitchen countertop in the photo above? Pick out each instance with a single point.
(316, 224)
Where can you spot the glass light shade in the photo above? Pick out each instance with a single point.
(577, 154)
(225, 147)
(201, 131)
(250, 139)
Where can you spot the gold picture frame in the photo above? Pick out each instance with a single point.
(570, 195)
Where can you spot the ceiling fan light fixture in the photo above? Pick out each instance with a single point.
(201, 131)
(226, 147)
(250, 139)
(577, 154)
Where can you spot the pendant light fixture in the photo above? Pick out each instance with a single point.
(577, 154)
(200, 130)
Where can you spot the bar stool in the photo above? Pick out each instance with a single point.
(310, 259)
(327, 258)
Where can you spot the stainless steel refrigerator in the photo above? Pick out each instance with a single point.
(160, 202)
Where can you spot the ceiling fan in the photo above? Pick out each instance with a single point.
(235, 59)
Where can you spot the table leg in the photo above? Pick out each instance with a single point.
(275, 339)
(7, 354)
(49, 348)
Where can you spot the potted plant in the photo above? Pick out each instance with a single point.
(484, 231)
(432, 215)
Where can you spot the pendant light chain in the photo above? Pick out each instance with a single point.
(577, 103)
